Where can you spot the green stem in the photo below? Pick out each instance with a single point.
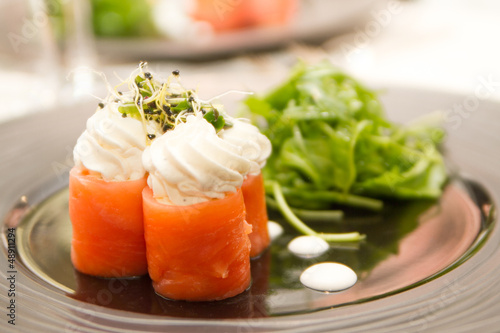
(311, 215)
(336, 197)
(302, 227)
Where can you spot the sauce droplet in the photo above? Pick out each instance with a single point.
(274, 229)
(308, 246)
(328, 277)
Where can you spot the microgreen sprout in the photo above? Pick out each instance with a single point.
(161, 104)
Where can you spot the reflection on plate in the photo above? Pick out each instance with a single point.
(407, 244)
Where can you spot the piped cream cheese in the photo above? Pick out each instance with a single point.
(111, 146)
(256, 147)
(192, 164)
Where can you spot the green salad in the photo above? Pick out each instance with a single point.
(333, 147)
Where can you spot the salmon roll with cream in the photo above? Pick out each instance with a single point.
(256, 147)
(194, 214)
(105, 196)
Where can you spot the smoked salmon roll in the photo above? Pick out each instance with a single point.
(108, 229)
(105, 196)
(256, 147)
(198, 252)
(256, 213)
(194, 214)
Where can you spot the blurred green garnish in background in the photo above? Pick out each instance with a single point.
(109, 18)
(122, 18)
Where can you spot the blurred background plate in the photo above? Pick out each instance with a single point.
(228, 32)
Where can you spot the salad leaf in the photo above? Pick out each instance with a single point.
(333, 145)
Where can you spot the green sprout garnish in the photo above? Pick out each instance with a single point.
(161, 104)
(214, 118)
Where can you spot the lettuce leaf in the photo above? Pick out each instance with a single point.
(330, 136)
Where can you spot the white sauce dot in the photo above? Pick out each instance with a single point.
(328, 277)
(308, 246)
(274, 229)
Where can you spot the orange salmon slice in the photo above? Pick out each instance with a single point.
(199, 252)
(108, 227)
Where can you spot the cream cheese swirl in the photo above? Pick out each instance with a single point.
(191, 164)
(256, 147)
(111, 146)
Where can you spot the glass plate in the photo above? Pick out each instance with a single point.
(406, 245)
